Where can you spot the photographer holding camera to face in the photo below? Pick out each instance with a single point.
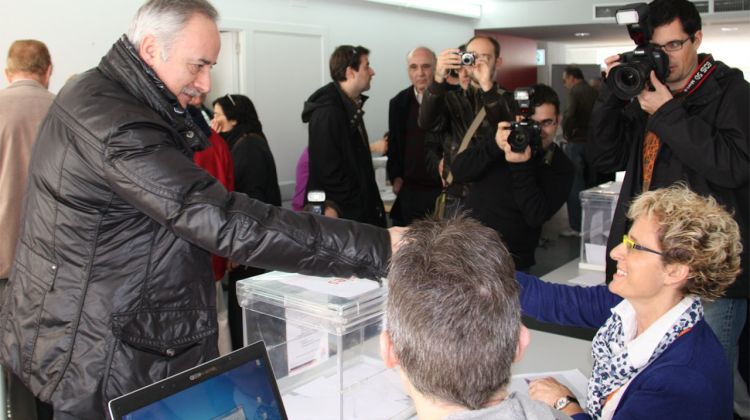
(667, 113)
(450, 113)
(520, 177)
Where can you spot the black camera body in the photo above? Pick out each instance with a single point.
(527, 132)
(633, 74)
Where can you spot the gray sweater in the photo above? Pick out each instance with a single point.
(514, 407)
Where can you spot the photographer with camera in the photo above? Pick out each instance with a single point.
(448, 111)
(668, 114)
(521, 177)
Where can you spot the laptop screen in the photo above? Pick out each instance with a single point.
(239, 385)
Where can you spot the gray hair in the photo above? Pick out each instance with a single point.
(453, 313)
(165, 19)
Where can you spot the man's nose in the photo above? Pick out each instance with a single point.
(203, 81)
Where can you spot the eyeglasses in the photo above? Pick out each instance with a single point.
(673, 46)
(547, 123)
(630, 244)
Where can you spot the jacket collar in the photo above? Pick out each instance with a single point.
(123, 64)
(354, 112)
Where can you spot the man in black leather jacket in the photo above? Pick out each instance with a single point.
(112, 286)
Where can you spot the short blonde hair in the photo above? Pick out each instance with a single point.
(28, 56)
(695, 231)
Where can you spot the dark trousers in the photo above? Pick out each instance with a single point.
(413, 204)
(234, 310)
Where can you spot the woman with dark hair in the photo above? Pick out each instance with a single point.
(237, 121)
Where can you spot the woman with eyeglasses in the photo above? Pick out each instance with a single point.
(237, 121)
(654, 355)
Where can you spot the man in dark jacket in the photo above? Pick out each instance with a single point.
(448, 110)
(692, 128)
(415, 187)
(112, 286)
(516, 192)
(575, 126)
(340, 160)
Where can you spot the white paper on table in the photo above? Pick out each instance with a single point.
(371, 392)
(305, 347)
(334, 286)
(573, 379)
(588, 279)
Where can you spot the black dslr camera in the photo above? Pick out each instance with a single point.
(629, 79)
(527, 132)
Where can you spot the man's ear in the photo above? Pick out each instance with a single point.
(524, 338)
(386, 350)
(149, 50)
(7, 75)
(498, 63)
(697, 39)
(47, 76)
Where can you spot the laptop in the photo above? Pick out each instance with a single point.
(236, 386)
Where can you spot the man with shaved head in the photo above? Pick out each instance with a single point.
(415, 187)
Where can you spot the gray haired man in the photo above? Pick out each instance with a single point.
(112, 287)
(454, 323)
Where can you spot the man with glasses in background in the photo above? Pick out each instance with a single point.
(691, 127)
(515, 192)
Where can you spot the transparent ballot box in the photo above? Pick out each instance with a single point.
(322, 337)
(597, 210)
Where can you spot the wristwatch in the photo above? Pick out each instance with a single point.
(564, 401)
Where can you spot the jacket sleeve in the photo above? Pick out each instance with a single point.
(433, 146)
(432, 110)
(497, 107)
(609, 139)
(396, 146)
(565, 305)
(719, 151)
(144, 168)
(251, 169)
(327, 157)
(541, 189)
(472, 163)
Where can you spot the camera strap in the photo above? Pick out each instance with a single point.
(705, 68)
(467, 137)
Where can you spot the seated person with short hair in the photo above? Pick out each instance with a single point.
(654, 355)
(454, 323)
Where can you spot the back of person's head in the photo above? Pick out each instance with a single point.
(28, 57)
(663, 12)
(453, 315)
(695, 231)
(573, 71)
(544, 94)
(240, 108)
(164, 19)
(343, 57)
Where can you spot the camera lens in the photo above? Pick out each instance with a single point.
(629, 80)
(467, 59)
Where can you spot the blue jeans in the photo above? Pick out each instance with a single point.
(575, 152)
(726, 317)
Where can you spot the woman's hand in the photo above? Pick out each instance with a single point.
(548, 391)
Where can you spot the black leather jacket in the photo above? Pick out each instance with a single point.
(112, 286)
